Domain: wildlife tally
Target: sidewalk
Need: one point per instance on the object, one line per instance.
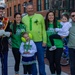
(11, 66)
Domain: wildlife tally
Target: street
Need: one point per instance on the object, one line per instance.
(11, 66)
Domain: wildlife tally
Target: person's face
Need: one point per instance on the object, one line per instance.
(30, 10)
(1, 12)
(18, 18)
(64, 19)
(50, 17)
(73, 16)
(26, 36)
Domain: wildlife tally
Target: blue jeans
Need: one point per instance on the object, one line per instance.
(3, 58)
(72, 60)
(40, 58)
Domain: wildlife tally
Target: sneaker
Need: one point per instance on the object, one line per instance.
(52, 48)
(53, 74)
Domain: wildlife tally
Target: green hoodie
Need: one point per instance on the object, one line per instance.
(36, 27)
(58, 43)
(16, 38)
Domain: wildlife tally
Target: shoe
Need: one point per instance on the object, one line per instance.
(16, 74)
(52, 48)
(53, 74)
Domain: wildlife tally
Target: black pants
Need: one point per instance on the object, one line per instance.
(27, 69)
(72, 60)
(52, 37)
(54, 58)
(16, 54)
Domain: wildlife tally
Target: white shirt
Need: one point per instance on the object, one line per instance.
(64, 31)
(32, 50)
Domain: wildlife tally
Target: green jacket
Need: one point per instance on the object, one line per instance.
(58, 43)
(36, 27)
(16, 38)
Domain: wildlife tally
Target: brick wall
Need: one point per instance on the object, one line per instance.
(11, 4)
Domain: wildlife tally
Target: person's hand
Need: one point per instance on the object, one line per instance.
(56, 29)
(7, 34)
(26, 53)
(2, 32)
(44, 44)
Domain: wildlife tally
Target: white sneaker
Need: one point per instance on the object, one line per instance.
(52, 48)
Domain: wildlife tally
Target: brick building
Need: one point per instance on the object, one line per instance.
(40, 6)
(18, 6)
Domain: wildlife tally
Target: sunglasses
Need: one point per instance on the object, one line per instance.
(72, 15)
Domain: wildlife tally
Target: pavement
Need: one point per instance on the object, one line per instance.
(11, 66)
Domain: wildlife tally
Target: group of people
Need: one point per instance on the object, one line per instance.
(45, 33)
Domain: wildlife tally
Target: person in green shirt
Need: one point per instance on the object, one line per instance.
(55, 55)
(17, 28)
(36, 26)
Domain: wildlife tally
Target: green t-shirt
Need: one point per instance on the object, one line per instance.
(58, 43)
(16, 38)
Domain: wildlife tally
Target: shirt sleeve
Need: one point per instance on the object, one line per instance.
(44, 31)
(65, 27)
(33, 49)
(21, 48)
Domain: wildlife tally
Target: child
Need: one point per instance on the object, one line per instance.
(28, 50)
(61, 32)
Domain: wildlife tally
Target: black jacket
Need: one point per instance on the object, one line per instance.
(4, 41)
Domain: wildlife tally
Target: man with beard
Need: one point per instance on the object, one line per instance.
(71, 43)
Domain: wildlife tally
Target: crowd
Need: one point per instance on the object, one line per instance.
(30, 35)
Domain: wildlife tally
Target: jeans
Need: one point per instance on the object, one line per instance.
(54, 58)
(72, 60)
(34, 69)
(4, 59)
(40, 58)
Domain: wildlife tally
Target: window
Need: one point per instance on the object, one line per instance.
(46, 4)
(24, 5)
(15, 9)
(10, 11)
(38, 5)
(24, 10)
(72, 4)
(7, 12)
(30, 1)
(19, 8)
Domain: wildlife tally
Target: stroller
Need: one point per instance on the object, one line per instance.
(65, 55)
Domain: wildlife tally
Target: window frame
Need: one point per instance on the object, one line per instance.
(19, 7)
(39, 7)
(46, 4)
